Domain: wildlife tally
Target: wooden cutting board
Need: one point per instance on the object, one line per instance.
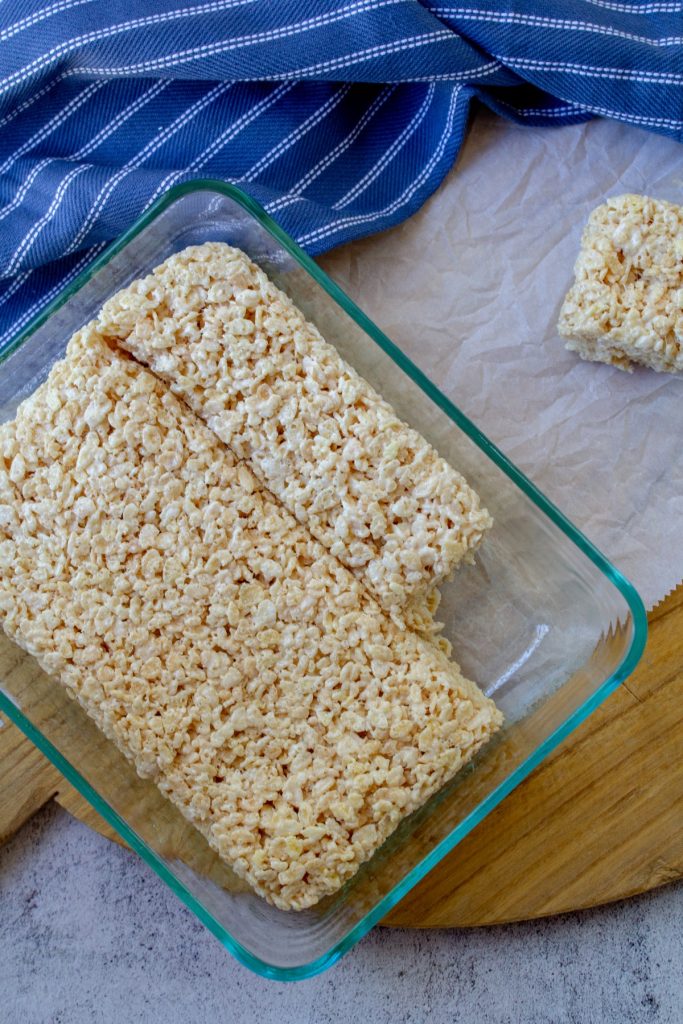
(601, 819)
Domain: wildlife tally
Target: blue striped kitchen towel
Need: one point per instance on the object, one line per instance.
(339, 116)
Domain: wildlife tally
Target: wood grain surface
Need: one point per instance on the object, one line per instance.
(600, 820)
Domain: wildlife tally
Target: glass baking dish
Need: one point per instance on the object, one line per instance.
(541, 620)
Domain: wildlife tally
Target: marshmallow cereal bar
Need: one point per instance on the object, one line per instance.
(223, 649)
(238, 351)
(626, 304)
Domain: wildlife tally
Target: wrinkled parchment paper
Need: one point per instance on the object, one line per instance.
(471, 289)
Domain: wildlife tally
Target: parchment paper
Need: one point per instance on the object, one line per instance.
(471, 289)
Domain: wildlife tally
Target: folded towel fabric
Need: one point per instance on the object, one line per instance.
(340, 116)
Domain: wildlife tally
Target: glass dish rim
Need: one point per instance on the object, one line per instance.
(625, 587)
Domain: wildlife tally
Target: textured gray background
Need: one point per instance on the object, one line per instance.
(89, 934)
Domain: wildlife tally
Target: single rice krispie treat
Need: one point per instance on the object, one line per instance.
(228, 654)
(238, 351)
(626, 304)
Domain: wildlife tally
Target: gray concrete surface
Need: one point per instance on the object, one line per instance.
(89, 934)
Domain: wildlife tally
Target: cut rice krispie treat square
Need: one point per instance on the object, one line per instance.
(228, 654)
(238, 351)
(626, 304)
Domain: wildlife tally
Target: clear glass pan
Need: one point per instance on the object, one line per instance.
(541, 620)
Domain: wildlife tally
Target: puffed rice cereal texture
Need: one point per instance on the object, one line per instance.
(238, 351)
(231, 657)
(626, 304)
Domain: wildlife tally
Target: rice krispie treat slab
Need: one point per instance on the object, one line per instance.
(372, 490)
(626, 304)
(231, 657)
